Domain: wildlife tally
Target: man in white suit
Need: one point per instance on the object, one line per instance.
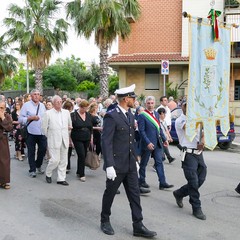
(56, 125)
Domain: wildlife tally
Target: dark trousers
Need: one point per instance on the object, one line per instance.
(157, 154)
(166, 152)
(130, 183)
(81, 149)
(69, 158)
(31, 141)
(195, 171)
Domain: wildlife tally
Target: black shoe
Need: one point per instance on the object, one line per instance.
(162, 187)
(107, 228)
(171, 159)
(199, 214)
(237, 189)
(144, 185)
(48, 179)
(144, 190)
(139, 230)
(178, 199)
(118, 192)
(63, 183)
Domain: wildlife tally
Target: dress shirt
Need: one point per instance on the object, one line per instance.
(30, 109)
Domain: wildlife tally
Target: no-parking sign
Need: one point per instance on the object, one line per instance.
(165, 67)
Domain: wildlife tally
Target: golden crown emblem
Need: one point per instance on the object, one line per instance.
(210, 53)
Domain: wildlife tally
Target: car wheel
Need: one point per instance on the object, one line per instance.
(224, 145)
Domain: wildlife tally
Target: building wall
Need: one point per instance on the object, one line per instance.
(158, 29)
(137, 75)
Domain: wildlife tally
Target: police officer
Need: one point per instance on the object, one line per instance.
(120, 162)
(193, 165)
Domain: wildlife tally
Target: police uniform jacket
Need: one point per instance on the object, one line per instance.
(118, 141)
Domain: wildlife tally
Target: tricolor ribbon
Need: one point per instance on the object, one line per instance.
(213, 15)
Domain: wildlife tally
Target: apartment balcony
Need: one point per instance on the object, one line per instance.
(232, 7)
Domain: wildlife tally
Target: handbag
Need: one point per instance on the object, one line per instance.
(92, 160)
(24, 132)
(23, 129)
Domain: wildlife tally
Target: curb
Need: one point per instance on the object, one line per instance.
(235, 143)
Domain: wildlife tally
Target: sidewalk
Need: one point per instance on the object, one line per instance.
(237, 138)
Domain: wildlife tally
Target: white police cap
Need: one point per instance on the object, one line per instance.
(126, 92)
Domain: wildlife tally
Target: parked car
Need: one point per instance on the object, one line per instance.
(224, 142)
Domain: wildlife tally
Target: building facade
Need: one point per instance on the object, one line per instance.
(161, 33)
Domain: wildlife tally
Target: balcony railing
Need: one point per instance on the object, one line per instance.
(232, 4)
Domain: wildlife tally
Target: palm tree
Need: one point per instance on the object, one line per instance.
(106, 19)
(8, 63)
(38, 31)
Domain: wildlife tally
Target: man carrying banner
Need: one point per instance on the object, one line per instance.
(193, 165)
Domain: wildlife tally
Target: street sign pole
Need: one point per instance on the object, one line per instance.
(164, 85)
(164, 71)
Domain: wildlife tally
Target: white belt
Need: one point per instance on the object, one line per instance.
(193, 151)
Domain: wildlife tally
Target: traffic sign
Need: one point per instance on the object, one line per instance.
(165, 67)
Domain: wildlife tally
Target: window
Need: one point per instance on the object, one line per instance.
(237, 90)
(152, 76)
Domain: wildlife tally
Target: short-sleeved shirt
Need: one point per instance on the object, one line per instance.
(183, 140)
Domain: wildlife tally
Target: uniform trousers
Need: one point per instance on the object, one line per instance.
(130, 183)
(195, 171)
(31, 141)
(58, 159)
(157, 154)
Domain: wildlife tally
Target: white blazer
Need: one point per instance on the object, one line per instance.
(55, 126)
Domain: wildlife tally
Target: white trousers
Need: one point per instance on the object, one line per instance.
(58, 159)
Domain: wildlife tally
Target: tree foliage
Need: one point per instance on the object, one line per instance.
(106, 19)
(59, 78)
(38, 32)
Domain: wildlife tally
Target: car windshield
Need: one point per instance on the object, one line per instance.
(176, 113)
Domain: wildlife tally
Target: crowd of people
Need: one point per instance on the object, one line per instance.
(124, 132)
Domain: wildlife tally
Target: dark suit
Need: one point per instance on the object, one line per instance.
(150, 134)
(118, 151)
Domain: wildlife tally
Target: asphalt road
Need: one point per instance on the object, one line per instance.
(33, 209)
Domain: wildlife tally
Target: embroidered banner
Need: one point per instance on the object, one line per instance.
(208, 82)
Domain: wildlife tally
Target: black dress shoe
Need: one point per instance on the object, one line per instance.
(237, 189)
(48, 179)
(139, 230)
(144, 190)
(118, 192)
(144, 185)
(178, 199)
(199, 214)
(63, 183)
(107, 228)
(171, 159)
(163, 186)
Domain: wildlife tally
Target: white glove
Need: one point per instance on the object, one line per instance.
(111, 173)
(137, 165)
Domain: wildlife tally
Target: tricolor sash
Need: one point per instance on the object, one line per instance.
(152, 119)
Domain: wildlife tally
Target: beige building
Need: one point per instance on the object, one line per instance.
(161, 33)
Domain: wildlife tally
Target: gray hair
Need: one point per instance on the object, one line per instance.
(2, 101)
(171, 98)
(55, 98)
(35, 91)
(149, 98)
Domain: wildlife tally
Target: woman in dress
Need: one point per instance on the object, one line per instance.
(81, 135)
(97, 128)
(19, 141)
(5, 126)
(69, 106)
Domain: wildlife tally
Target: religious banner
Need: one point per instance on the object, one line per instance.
(208, 82)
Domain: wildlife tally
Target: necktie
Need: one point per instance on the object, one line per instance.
(128, 116)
